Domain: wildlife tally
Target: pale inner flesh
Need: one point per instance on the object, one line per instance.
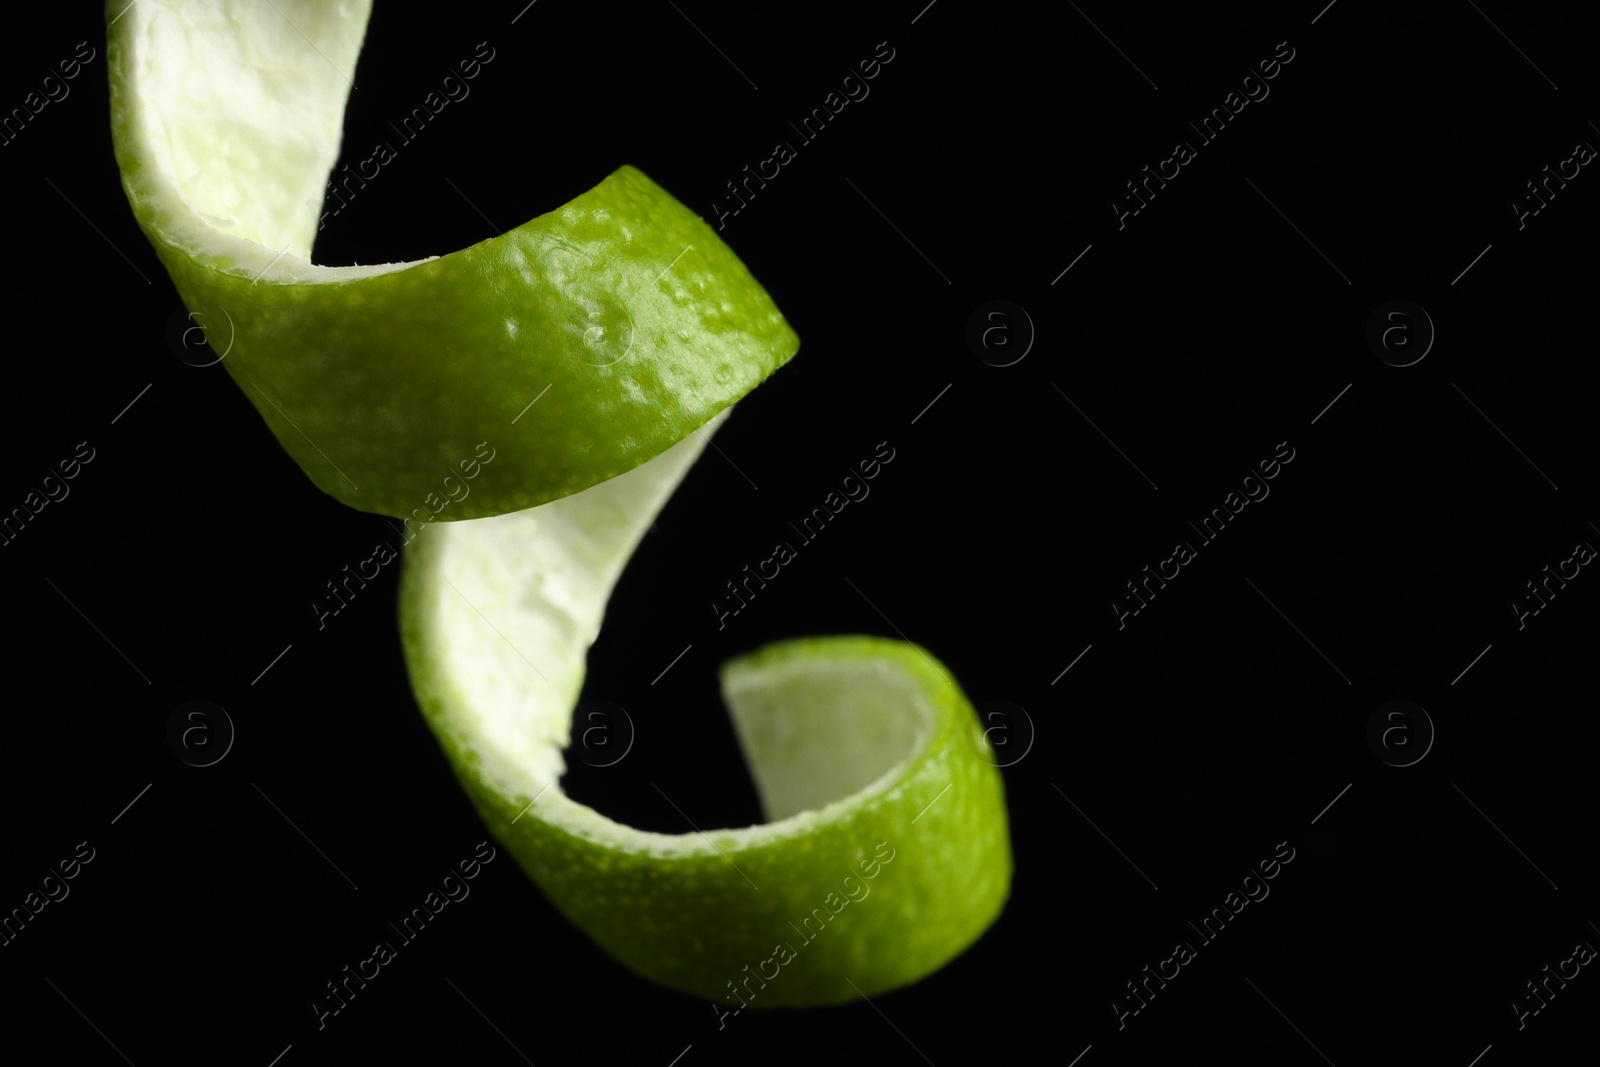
(238, 111)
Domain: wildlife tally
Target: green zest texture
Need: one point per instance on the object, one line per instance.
(634, 329)
(860, 748)
(622, 313)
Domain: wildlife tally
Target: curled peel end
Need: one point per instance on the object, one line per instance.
(887, 850)
(574, 347)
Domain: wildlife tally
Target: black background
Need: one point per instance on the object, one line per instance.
(1224, 718)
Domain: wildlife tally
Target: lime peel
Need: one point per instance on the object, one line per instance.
(642, 327)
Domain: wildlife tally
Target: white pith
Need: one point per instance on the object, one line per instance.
(512, 604)
(237, 109)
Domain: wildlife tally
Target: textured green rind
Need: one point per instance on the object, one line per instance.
(693, 923)
(379, 387)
